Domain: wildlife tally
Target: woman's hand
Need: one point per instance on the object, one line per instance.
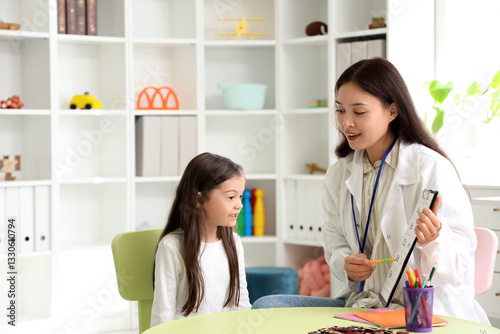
(428, 226)
(358, 267)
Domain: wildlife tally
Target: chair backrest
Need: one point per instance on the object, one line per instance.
(134, 256)
(486, 252)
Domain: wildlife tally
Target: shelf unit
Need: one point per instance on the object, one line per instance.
(87, 157)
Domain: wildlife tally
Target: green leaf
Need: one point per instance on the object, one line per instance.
(496, 80)
(437, 124)
(473, 89)
(438, 91)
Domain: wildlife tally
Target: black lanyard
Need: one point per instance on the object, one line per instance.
(362, 246)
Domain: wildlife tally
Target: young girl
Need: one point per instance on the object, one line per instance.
(382, 138)
(199, 265)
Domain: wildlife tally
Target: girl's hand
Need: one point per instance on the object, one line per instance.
(358, 267)
(428, 226)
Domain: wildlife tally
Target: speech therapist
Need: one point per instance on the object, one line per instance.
(386, 159)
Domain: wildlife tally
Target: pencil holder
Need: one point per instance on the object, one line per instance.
(418, 308)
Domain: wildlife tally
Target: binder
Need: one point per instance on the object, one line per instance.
(12, 209)
(376, 48)
(319, 212)
(342, 58)
(26, 220)
(169, 164)
(3, 220)
(187, 141)
(147, 145)
(300, 196)
(358, 51)
(42, 218)
(311, 214)
(291, 207)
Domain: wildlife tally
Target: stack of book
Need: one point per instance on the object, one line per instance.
(77, 17)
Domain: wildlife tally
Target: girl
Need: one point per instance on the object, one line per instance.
(199, 266)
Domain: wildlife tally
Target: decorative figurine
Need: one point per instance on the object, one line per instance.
(241, 28)
(9, 165)
(161, 98)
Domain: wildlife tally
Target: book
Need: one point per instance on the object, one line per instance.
(92, 17)
(71, 17)
(81, 17)
(386, 318)
(61, 16)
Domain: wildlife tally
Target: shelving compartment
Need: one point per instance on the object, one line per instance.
(94, 67)
(110, 18)
(175, 66)
(222, 9)
(32, 15)
(91, 214)
(33, 297)
(305, 75)
(29, 137)
(153, 201)
(356, 15)
(238, 65)
(91, 147)
(27, 73)
(160, 19)
(247, 140)
(295, 16)
(301, 146)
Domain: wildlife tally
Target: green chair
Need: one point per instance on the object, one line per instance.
(134, 256)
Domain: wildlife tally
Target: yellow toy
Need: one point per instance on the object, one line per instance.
(259, 217)
(85, 101)
(241, 28)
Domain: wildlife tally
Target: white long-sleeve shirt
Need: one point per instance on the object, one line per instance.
(171, 285)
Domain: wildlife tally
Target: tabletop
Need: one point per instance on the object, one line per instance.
(297, 320)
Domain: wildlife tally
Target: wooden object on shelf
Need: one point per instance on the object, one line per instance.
(242, 29)
(9, 26)
(377, 22)
(161, 98)
(259, 217)
(247, 214)
(9, 165)
(313, 167)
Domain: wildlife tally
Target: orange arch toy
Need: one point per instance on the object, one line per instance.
(157, 99)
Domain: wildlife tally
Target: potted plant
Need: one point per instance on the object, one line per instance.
(477, 102)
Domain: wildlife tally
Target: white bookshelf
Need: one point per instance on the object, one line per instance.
(87, 157)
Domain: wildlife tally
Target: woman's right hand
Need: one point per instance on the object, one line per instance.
(358, 267)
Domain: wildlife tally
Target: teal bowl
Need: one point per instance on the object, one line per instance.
(244, 96)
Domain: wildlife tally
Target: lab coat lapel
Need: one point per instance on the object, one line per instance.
(355, 182)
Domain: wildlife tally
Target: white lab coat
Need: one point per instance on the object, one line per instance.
(418, 168)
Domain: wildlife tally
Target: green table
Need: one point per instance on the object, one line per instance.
(300, 320)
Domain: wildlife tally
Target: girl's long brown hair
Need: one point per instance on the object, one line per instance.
(204, 173)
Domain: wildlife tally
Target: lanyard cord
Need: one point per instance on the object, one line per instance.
(362, 247)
